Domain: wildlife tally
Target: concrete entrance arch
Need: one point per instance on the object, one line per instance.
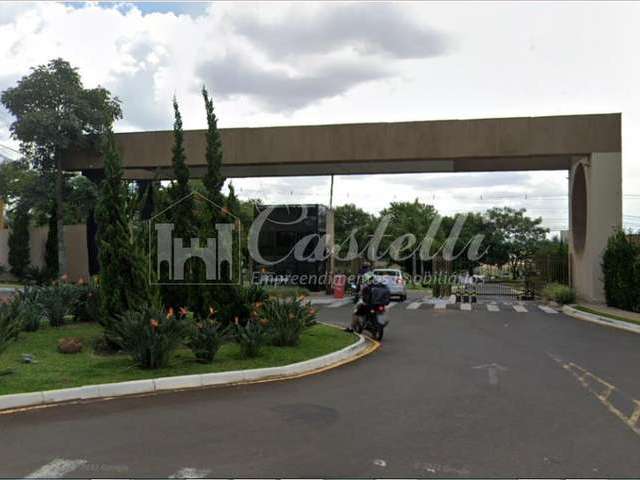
(587, 146)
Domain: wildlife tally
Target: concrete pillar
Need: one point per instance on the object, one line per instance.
(595, 212)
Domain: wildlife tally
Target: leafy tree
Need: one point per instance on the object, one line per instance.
(81, 195)
(519, 234)
(408, 218)
(19, 249)
(19, 181)
(53, 113)
(349, 218)
(475, 224)
(123, 280)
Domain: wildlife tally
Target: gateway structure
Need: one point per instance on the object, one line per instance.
(586, 146)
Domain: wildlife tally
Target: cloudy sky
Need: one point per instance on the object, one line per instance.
(303, 63)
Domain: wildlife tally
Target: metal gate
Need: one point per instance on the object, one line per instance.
(509, 289)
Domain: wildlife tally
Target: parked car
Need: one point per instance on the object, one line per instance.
(394, 280)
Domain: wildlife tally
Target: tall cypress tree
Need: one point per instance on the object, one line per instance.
(213, 179)
(181, 213)
(19, 250)
(123, 280)
(232, 203)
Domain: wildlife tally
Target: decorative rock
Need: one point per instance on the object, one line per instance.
(28, 358)
(70, 345)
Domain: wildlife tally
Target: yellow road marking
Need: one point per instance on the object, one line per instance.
(582, 375)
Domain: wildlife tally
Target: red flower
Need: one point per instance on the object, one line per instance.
(183, 312)
(154, 323)
(169, 313)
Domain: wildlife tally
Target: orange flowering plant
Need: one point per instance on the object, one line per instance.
(207, 336)
(251, 337)
(286, 319)
(150, 335)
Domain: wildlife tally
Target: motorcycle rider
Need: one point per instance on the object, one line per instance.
(360, 310)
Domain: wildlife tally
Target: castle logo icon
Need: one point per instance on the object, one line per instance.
(173, 255)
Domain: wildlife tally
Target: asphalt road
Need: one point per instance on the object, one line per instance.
(429, 403)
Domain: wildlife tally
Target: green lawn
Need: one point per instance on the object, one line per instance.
(607, 315)
(55, 370)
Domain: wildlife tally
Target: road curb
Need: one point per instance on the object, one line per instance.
(600, 320)
(26, 401)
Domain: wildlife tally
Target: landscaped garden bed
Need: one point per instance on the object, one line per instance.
(54, 370)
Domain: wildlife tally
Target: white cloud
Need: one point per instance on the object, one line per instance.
(289, 63)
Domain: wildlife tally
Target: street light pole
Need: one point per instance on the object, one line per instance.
(332, 246)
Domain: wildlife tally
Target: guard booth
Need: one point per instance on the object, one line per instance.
(285, 226)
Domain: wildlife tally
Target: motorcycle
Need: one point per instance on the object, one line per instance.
(374, 321)
(355, 292)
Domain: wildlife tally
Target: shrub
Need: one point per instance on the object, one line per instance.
(29, 314)
(559, 293)
(151, 335)
(57, 301)
(36, 275)
(621, 270)
(86, 306)
(286, 319)
(251, 337)
(287, 292)
(440, 289)
(236, 303)
(102, 346)
(206, 338)
(19, 249)
(9, 326)
(254, 294)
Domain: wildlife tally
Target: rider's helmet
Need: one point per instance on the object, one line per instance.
(368, 278)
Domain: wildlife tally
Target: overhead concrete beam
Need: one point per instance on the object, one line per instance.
(527, 143)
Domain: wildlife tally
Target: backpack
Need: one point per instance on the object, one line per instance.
(376, 294)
